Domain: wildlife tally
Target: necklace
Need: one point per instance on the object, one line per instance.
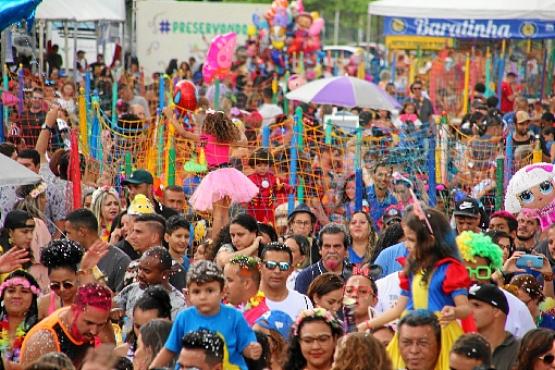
(11, 350)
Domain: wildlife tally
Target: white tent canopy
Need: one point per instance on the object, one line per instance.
(465, 9)
(16, 174)
(79, 11)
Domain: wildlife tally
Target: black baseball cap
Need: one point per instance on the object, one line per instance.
(139, 177)
(467, 207)
(491, 295)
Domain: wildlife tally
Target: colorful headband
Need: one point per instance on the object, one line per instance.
(321, 313)
(212, 111)
(41, 188)
(19, 281)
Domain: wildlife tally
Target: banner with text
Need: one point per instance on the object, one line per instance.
(470, 28)
(172, 29)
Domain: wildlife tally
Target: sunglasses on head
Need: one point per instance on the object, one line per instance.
(57, 286)
(271, 265)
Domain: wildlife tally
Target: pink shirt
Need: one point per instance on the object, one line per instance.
(216, 153)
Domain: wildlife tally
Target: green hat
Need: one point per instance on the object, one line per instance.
(139, 177)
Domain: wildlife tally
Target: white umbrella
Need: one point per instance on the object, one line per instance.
(13, 173)
(344, 91)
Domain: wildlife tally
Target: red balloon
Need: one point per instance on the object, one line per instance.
(185, 95)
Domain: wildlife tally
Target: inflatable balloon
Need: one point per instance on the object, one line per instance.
(220, 55)
(315, 15)
(316, 27)
(185, 95)
(278, 37)
(251, 30)
(295, 81)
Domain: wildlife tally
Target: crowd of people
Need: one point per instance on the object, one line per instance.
(217, 273)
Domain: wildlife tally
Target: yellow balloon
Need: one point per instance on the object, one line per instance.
(315, 15)
(278, 44)
(251, 30)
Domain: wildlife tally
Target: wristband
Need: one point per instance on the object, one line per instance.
(548, 276)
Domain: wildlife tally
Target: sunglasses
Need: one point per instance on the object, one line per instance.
(271, 265)
(480, 272)
(547, 359)
(57, 286)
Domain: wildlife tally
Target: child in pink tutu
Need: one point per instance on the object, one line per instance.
(223, 184)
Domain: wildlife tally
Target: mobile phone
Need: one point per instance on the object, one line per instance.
(529, 261)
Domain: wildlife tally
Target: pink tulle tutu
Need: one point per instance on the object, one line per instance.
(221, 183)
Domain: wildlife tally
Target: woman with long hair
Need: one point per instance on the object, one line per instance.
(153, 304)
(245, 239)
(61, 257)
(326, 291)
(300, 248)
(18, 232)
(313, 340)
(434, 279)
(151, 340)
(18, 313)
(363, 238)
(537, 350)
(33, 200)
(360, 351)
(106, 206)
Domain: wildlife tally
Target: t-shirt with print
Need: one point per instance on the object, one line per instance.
(58, 195)
(292, 305)
(129, 296)
(229, 322)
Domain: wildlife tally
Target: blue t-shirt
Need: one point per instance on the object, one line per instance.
(229, 322)
(378, 207)
(387, 258)
(354, 258)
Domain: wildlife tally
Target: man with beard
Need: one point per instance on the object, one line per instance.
(484, 260)
(526, 232)
(380, 193)
(332, 242)
(522, 134)
(71, 330)
(154, 269)
(33, 118)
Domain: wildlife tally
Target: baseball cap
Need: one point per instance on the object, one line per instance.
(139, 177)
(522, 116)
(391, 214)
(491, 295)
(277, 321)
(468, 207)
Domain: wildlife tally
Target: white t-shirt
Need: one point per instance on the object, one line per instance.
(269, 112)
(292, 305)
(519, 320)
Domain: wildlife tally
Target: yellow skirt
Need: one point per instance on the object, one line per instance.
(449, 335)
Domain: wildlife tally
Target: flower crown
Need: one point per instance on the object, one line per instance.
(19, 281)
(245, 262)
(103, 189)
(41, 188)
(321, 313)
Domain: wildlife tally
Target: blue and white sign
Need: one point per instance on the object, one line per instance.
(470, 28)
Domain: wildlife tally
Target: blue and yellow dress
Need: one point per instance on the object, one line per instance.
(448, 280)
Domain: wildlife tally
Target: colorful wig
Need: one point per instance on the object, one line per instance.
(472, 245)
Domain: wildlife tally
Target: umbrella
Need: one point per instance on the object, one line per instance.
(344, 91)
(14, 173)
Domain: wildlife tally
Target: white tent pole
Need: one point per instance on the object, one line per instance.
(41, 47)
(132, 33)
(66, 47)
(97, 24)
(122, 45)
(369, 30)
(74, 52)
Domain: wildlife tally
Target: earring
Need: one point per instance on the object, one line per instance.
(10, 241)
